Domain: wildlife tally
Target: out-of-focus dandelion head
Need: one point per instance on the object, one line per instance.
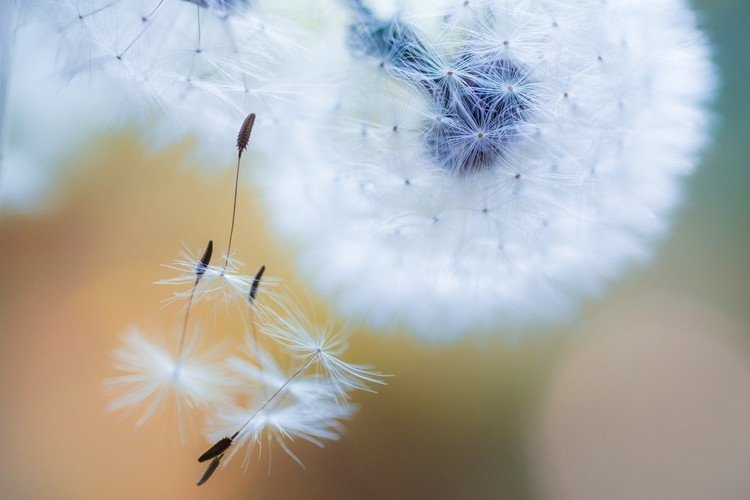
(172, 70)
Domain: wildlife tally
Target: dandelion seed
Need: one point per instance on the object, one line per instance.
(225, 284)
(321, 344)
(152, 377)
(300, 404)
(281, 424)
(224, 279)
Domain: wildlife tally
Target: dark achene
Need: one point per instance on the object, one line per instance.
(479, 102)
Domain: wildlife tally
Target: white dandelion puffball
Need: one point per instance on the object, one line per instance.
(487, 165)
(46, 126)
(178, 68)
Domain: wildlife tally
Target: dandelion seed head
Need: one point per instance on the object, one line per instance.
(178, 69)
(487, 166)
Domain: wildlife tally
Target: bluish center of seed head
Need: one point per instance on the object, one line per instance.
(479, 102)
(224, 5)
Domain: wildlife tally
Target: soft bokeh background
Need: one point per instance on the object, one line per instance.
(647, 396)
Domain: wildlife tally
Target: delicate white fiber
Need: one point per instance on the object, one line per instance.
(264, 376)
(285, 321)
(223, 282)
(152, 377)
(281, 423)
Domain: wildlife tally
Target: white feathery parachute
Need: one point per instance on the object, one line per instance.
(487, 165)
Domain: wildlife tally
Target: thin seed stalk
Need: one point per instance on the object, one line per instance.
(313, 356)
(185, 323)
(243, 139)
(234, 210)
(199, 272)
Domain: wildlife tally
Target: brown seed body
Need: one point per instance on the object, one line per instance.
(243, 137)
(205, 260)
(256, 284)
(209, 470)
(216, 450)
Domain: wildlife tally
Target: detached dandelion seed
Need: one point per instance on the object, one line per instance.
(321, 344)
(153, 377)
(306, 409)
(220, 284)
(243, 138)
(228, 280)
